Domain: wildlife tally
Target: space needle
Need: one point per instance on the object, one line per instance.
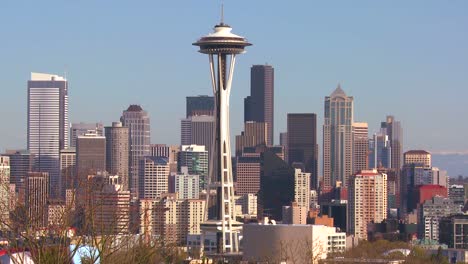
(222, 46)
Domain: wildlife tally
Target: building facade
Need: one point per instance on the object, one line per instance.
(302, 143)
(199, 105)
(90, 157)
(21, 162)
(187, 185)
(67, 170)
(248, 175)
(138, 121)
(302, 188)
(254, 134)
(154, 177)
(36, 196)
(338, 138)
(431, 212)
(79, 129)
(360, 147)
(367, 201)
(48, 123)
(117, 152)
(195, 158)
(259, 106)
(5, 192)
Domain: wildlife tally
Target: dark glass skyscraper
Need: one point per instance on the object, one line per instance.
(259, 106)
(302, 143)
(199, 105)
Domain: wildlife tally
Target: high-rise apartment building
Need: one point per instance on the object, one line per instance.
(198, 130)
(36, 196)
(195, 158)
(360, 147)
(367, 201)
(199, 105)
(79, 129)
(338, 138)
(259, 106)
(67, 170)
(90, 157)
(4, 191)
(108, 205)
(21, 162)
(170, 152)
(254, 134)
(48, 123)
(187, 185)
(171, 219)
(117, 152)
(248, 175)
(138, 121)
(431, 212)
(302, 143)
(154, 177)
(302, 188)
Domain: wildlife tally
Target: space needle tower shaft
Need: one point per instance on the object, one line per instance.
(222, 46)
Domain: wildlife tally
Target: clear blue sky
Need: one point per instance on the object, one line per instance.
(406, 58)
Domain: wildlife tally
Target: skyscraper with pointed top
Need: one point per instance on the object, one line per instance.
(337, 138)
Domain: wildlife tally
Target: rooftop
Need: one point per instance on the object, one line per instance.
(418, 152)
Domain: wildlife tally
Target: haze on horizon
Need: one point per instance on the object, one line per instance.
(408, 59)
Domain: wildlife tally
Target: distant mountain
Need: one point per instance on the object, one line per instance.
(454, 164)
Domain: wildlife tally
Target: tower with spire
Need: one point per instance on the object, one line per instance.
(222, 47)
(337, 139)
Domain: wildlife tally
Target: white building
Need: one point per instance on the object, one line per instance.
(187, 185)
(48, 128)
(290, 243)
(247, 204)
(153, 177)
(302, 188)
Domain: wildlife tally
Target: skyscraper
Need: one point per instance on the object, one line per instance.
(254, 134)
(198, 130)
(21, 162)
(187, 185)
(259, 106)
(248, 175)
(170, 152)
(395, 133)
(138, 121)
(302, 188)
(67, 170)
(367, 200)
(90, 157)
(48, 123)
(360, 147)
(117, 152)
(199, 105)
(337, 138)
(79, 129)
(380, 151)
(302, 143)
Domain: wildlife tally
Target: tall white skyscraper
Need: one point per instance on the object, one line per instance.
(337, 138)
(302, 188)
(48, 128)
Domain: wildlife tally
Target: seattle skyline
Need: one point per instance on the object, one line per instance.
(405, 59)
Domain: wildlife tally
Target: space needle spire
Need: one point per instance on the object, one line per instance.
(222, 47)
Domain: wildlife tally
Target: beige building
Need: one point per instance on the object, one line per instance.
(295, 214)
(302, 188)
(117, 152)
(170, 218)
(367, 201)
(36, 196)
(57, 214)
(248, 175)
(417, 157)
(302, 244)
(254, 134)
(67, 169)
(360, 147)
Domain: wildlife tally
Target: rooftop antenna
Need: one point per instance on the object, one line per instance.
(222, 14)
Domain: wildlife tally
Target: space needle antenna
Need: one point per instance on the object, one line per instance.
(222, 14)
